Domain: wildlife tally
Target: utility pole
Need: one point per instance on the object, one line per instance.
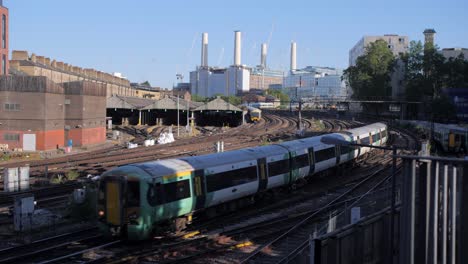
(180, 78)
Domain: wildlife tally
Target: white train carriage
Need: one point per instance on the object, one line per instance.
(375, 134)
(301, 156)
(227, 176)
(323, 155)
(276, 165)
(343, 153)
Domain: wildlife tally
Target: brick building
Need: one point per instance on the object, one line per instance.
(4, 63)
(60, 72)
(39, 114)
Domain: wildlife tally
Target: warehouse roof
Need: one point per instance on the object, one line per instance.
(218, 104)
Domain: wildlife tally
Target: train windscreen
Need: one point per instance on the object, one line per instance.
(133, 194)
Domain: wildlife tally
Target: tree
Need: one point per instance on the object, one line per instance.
(427, 73)
(198, 98)
(284, 98)
(146, 83)
(371, 75)
(232, 99)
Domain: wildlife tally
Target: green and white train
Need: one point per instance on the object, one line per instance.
(138, 200)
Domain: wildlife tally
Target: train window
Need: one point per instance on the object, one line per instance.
(345, 150)
(374, 138)
(365, 141)
(384, 133)
(133, 193)
(175, 191)
(300, 161)
(231, 178)
(324, 154)
(101, 192)
(278, 167)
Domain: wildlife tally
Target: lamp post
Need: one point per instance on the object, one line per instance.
(329, 140)
(180, 78)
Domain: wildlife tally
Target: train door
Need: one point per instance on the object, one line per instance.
(262, 173)
(113, 202)
(311, 161)
(337, 154)
(199, 190)
(358, 140)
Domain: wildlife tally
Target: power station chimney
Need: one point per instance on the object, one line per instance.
(263, 55)
(293, 56)
(204, 50)
(237, 48)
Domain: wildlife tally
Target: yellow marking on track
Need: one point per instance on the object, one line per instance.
(241, 245)
(191, 234)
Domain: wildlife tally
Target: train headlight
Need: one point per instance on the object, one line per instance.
(101, 213)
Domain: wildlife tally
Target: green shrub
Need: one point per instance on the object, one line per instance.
(72, 175)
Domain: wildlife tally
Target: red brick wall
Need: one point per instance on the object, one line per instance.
(87, 136)
(12, 144)
(45, 140)
(4, 11)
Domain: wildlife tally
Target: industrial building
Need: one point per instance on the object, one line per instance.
(313, 81)
(39, 114)
(4, 63)
(262, 77)
(454, 53)
(60, 72)
(208, 81)
(396, 43)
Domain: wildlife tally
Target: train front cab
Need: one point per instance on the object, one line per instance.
(119, 211)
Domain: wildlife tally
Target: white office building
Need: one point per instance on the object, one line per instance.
(316, 82)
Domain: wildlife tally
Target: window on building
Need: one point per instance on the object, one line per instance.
(11, 137)
(4, 31)
(4, 65)
(12, 107)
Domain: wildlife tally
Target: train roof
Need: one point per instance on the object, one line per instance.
(161, 168)
(218, 159)
(366, 129)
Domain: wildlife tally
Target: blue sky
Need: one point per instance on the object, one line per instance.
(153, 40)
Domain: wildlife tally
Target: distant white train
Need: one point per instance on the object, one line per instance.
(262, 105)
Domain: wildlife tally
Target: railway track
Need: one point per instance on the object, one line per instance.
(227, 241)
(224, 244)
(218, 239)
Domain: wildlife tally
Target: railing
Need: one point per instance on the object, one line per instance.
(432, 219)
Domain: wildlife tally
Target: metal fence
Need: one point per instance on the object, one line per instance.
(434, 208)
(433, 199)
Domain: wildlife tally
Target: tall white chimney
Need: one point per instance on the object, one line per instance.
(237, 48)
(263, 55)
(204, 50)
(293, 56)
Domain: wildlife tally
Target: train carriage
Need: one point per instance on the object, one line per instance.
(138, 199)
